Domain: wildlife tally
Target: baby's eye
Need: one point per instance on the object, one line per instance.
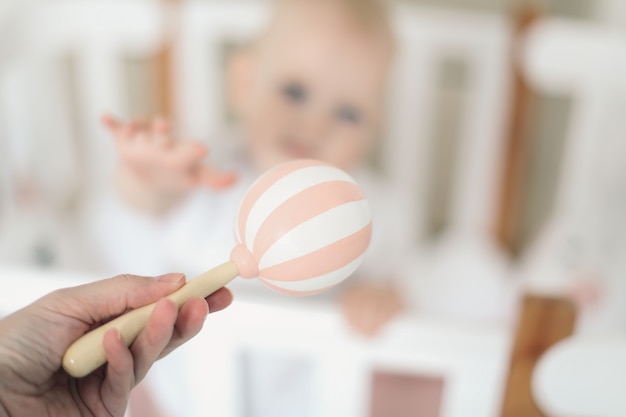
(295, 92)
(348, 114)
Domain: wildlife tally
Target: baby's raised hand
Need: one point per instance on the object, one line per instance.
(155, 168)
(369, 307)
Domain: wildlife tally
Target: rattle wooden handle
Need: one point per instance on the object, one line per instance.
(87, 353)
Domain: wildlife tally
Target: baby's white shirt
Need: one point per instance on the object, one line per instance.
(199, 234)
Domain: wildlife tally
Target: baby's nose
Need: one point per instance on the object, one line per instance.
(315, 127)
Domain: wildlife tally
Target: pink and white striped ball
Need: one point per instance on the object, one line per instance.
(302, 228)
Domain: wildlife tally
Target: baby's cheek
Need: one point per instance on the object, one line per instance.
(344, 151)
(264, 124)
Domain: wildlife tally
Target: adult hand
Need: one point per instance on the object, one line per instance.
(33, 341)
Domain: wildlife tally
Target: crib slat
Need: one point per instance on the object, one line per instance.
(206, 28)
(543, 322)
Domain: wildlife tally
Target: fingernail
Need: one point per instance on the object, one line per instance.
(119, 336)
(172, 277)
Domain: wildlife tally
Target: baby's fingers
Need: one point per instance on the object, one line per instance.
(184, 156)
(123, 133)
(110, 122)
(160, 132)
(210, 177)
(160, 125)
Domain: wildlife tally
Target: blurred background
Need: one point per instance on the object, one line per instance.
(505, 125)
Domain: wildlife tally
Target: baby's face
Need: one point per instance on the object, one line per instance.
(315, 92)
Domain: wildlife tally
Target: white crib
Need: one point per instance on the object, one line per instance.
(470, 355)
(61, 68)
(590, 69)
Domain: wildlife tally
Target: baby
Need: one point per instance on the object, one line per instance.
(312, 85)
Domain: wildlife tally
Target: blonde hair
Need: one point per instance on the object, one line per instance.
(371, 16)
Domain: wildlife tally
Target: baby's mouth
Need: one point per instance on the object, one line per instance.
(296, 149)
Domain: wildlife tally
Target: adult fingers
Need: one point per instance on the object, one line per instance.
(188, 324)
(192, 315)
(154, 338)
(219, 300)
(98, 301)
(120, 376)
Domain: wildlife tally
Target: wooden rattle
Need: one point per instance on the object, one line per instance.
(301, 228)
